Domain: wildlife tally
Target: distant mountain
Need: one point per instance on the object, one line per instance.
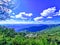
(30, 27)
(38, 27)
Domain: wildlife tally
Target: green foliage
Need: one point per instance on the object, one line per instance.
(46, 37)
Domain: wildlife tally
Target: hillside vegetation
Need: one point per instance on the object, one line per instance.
(49, 36)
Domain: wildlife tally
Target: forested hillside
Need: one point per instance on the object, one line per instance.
(49, 36)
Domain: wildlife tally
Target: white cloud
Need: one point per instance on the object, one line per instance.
(6, 0)
(12, 21)
(48, 12)
(10, 11)
(49, 17)
(12, 16)
(37, 18)
(57, 13)
(29, 14)
(22, 14)
(9, 0)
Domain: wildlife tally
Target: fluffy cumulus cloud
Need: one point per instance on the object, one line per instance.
(21, 15)
(57, 13)
(48, 12)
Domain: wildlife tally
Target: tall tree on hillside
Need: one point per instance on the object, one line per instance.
(6, 7)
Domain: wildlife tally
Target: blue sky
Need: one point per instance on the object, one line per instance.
(39, 11)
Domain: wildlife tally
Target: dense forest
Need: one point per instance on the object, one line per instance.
(49, 36)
